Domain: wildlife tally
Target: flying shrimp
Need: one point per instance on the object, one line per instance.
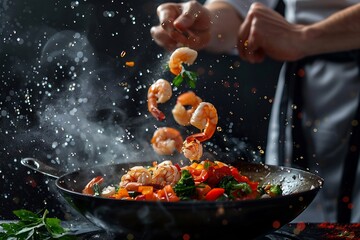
(166, 141)
(159, 92)
(185, 106)
(205, 118)
(179, 56)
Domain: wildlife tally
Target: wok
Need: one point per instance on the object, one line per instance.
(247, 219)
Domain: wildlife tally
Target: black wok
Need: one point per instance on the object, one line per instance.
(246, 219)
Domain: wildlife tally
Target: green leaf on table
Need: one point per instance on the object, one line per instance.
(26, 215)
(34, 226)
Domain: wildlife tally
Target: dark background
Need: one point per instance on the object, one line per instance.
(67, 97)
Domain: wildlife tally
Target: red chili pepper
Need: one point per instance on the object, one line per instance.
(214, 194)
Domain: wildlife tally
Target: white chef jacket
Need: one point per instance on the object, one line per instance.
(330, 93)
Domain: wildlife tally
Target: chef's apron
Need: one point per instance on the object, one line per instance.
(313, 126)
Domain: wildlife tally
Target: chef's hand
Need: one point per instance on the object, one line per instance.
(182, 24)
(265, 32)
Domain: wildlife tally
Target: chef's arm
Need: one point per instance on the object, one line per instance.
(339, 32)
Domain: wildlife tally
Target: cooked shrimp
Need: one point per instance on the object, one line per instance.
(89, 188)
(166, 173)
(204, 118)
(159, 92)
(166, 140)
(192, 150)
(179, 56)
(135, 177)
(108, 191)
(181, 114)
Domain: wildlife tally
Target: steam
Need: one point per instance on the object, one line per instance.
(83, 114)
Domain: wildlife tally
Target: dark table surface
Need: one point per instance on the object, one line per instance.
(291, 231)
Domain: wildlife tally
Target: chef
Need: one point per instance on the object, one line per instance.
(315, 114)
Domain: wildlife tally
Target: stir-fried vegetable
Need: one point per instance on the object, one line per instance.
(185, 187)
(207, 180)
(233, 188)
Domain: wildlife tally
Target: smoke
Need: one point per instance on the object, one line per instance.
(85, 117)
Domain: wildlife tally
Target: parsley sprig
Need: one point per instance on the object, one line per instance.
(34, 226)
(189, 77)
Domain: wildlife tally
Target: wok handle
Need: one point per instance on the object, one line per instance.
(41, 167)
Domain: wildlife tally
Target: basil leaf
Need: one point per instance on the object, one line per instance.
(54, 226)
(26, 215)
(33, 226)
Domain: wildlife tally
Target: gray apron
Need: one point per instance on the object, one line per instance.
(313, 126)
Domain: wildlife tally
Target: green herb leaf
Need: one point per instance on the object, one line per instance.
(26, 215)
(178, 80)
(189, 77)
(54, 226)
(34, 226)
(97, 190)
(185, 187)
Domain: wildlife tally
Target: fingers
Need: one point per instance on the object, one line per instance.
(167, 13)
(162, 38)
(194, 22)
(165, 34)
(185, 24)
(248, 45)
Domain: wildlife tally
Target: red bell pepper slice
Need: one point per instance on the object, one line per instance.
(202, 177)
(214, 194)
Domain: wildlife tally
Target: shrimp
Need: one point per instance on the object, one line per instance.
(179, 56)
(204, 118)
(159, 92)
(89, 188)
(166, 173)
(135, 177)
(166, 140)
(181, 114)
(192, 150)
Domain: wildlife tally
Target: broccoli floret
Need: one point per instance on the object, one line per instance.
(233, 188)
(185, 188)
